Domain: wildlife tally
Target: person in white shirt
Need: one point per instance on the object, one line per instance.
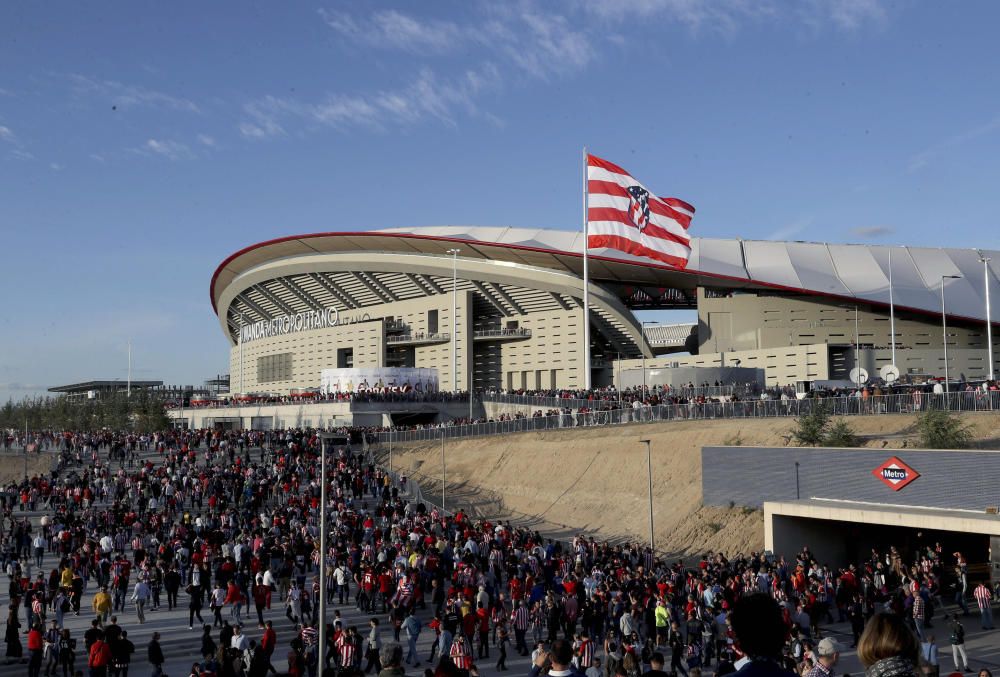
(39, 544)
(140, 595)
(239, 641)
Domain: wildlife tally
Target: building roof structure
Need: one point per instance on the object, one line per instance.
(845, 272)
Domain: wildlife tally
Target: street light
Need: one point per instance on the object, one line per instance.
(944, 330)
(322, 551)
(443, 475)
(985, 260)
(649, 473)
(454, 319)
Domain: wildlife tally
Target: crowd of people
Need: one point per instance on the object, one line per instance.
(225, 526)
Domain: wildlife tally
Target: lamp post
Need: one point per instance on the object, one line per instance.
(322, 553)
(454, 319)
(985, 260)
(649, 473)
(944, 330)
(443, 474)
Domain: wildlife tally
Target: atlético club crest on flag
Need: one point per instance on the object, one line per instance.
(895, 474)
(638, 206)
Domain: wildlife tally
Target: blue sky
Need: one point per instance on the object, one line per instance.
(143, 142)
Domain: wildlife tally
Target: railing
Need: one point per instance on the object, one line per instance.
(419, 338)
(605, 399)
(502, 333)
(732, 409)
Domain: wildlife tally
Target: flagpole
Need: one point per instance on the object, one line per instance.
(586, 281)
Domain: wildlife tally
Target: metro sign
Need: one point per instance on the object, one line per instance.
(895, 474)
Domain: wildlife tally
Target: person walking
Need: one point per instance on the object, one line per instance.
(35, 648)
(503, 641)
(958, 644)
(154, 654)
(984, 598)
(412, 627)
(140, 595)
(102, 605)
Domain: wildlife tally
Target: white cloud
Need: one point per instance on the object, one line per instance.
(19, 154)
(872, 232)
(926, 156)
(792, 229)
(728, 16)
(127, 96)
(56, 167)
(427, 97)
(97, 157)
(854, 14)
(389, 28)
(172, 150)
(206, 140)
(6, 134)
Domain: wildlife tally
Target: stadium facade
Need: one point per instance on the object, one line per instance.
(505, 309)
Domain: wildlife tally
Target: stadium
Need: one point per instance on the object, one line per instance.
(501, 308)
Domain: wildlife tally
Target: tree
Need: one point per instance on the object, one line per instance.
(810, 428)
(940, 429)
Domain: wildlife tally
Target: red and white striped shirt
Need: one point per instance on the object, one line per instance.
(461, 656)
(983, 596)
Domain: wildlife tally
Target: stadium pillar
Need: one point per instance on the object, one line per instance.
(944, 333)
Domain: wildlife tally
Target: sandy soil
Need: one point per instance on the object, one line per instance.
(595, 480)
(12, 466)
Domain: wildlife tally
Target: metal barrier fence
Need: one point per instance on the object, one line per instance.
(904, 403)
(553, 402)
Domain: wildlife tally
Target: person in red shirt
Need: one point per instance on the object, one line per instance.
(269, 640)
(99, 657)
(35, 650)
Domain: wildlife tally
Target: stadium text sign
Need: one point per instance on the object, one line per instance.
(287, 324)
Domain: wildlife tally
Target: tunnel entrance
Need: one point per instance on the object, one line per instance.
(839, 535)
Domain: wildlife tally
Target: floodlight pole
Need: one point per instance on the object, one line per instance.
(649, 474)
(989, 323)
(322, 554)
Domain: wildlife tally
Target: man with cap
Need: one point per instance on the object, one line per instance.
(827, 653)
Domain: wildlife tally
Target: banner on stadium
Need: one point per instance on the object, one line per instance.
(379, 379)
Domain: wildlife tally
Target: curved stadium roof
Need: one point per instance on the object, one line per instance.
(839, 271)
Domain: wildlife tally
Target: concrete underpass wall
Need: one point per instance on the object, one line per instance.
(748, 476)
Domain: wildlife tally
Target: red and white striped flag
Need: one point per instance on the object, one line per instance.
(623, 214)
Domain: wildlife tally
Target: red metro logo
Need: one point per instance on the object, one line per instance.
(895, 474)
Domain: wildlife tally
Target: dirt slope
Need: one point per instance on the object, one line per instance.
(594, 480)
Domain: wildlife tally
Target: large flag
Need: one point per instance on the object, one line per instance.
(623, 214)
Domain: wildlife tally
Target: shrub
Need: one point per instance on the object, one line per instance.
(840, 434)
(810, 429)
(940, 429)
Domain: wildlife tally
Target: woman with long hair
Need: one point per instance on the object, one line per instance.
(888, 648)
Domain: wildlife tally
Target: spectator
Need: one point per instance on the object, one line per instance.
(887, 647)
(760, 634)
(154, 654)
